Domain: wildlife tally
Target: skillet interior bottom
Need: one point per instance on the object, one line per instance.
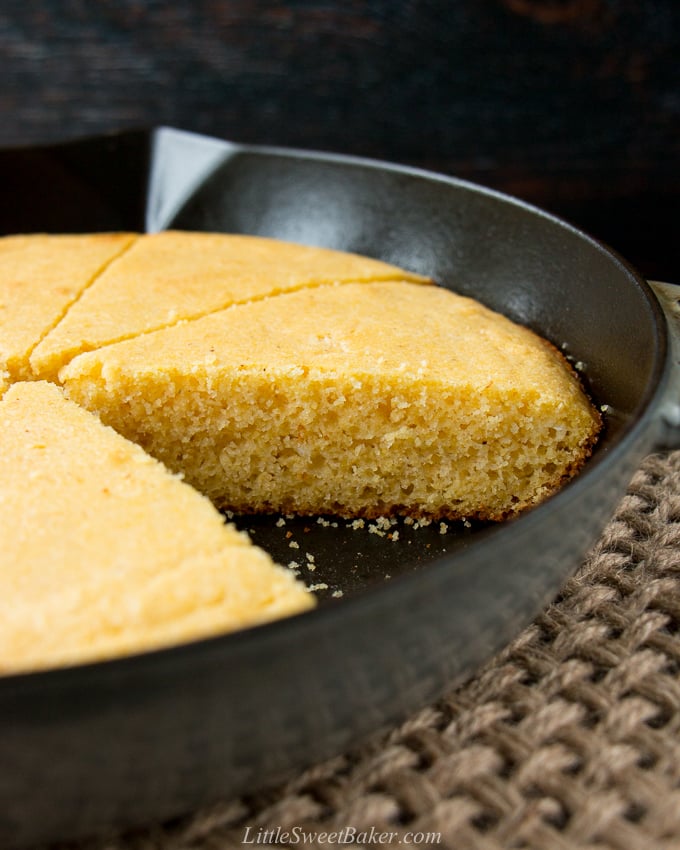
(341, 557)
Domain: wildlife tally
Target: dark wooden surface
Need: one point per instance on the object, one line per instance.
(570, 104)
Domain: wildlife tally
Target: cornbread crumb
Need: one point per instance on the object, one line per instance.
(383, 522)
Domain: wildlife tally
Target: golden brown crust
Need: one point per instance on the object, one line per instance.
(174, 276)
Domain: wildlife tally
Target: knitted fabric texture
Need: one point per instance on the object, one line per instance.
(570, 738)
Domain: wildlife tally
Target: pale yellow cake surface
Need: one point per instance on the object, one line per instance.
(40, 276)
(356, 399)
(105, 553)
(170, 276)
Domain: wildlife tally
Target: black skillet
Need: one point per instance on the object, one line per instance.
(149, 737)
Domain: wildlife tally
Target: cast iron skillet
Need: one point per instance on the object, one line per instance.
(153, 736)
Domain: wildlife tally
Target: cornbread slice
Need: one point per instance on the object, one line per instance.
(105, 553)
(175, 275)
(368, 399)
(40, 275)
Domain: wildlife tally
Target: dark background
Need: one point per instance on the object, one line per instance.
(570, 104)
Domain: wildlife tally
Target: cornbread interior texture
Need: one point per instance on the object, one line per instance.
(370, 399)
(172, 276)
(104, 552)
(40, 277)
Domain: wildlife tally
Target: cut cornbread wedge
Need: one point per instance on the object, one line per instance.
(170, 276)
(40, 276)
(366, 399)
(106, 553)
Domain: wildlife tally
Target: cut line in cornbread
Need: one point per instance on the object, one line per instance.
(105, 553)
(358, 400)
(40, 276)
(173, 276)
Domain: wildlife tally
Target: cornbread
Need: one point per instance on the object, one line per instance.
(40, 276)
(171, 276)
(105, 553)
(361, 399)
(270, 377)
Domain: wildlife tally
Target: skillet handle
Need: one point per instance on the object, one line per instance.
(668, 295)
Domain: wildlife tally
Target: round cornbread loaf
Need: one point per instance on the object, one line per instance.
(269, 376)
